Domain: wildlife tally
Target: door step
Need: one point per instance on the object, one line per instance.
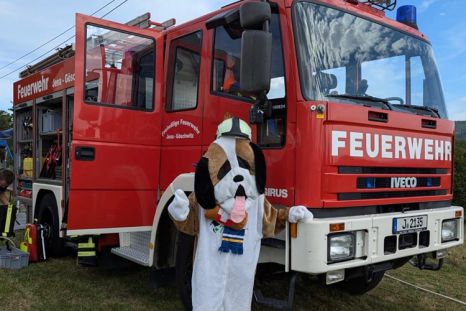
(134, 246)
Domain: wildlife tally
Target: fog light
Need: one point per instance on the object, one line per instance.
(334, 276)
(341, 247)
(449, 230)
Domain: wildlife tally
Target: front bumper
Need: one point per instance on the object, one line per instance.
(309, 250)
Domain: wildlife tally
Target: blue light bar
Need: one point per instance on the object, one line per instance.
(406, 14)
(429, 182)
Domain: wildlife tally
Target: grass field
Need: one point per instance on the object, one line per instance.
(59, 284)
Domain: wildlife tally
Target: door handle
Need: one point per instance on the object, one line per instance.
(378, 116)
(85, 153)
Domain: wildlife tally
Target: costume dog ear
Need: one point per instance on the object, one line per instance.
(203, 187)
(259, 163)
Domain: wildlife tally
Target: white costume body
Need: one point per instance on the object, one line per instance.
(224, 281)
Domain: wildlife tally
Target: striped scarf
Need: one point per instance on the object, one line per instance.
(232, 240)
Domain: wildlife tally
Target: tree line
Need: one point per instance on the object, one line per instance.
(459, 191)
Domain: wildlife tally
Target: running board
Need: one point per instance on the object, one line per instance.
(134, 246)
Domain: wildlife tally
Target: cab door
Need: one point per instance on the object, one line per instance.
(115, 149)
(225, 99)
(182, 113)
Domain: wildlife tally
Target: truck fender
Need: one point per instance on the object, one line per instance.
(184, 182)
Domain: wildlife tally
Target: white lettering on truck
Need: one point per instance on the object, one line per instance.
(403, 182)
(33, 88)
(276, 193)
(360, 145)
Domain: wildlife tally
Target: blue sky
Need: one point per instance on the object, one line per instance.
(27, 24)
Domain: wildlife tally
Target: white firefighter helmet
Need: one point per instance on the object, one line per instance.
(234, 127)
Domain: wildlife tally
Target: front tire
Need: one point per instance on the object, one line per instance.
(47, 215)
(362, 284)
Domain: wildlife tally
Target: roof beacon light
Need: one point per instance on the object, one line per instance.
(406, 14)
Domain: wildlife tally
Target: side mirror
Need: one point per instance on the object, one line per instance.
(256, 61)
(256, 56)
(253, 15)
(256, 47)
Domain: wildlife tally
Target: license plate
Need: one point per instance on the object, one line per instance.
(409, 224)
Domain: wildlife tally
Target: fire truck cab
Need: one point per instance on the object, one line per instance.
(353, 125)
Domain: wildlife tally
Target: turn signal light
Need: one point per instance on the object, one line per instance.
(337, 227)
(294, 230)
(458, 214)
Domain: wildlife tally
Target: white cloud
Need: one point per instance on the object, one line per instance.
(457, 109)
(427, 3)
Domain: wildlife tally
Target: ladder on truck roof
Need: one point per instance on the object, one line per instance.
(142, 21)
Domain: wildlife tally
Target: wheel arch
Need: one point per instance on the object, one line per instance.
(39, 191)
(184, 182)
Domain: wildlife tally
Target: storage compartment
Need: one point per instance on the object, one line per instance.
(14, 259)
(50, 148)
(49, 143)
(23, 124)
(24, 173)
(51, 120)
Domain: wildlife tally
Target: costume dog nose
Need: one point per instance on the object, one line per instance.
(238, 178)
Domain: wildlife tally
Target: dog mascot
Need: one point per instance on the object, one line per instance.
(229, 215)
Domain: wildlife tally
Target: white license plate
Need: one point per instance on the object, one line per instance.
(409, 224)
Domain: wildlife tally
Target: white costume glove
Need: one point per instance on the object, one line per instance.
(299, 213)
(179, 207)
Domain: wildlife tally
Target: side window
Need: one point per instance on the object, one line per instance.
(120, 69)
(184, 67)
(227, 59)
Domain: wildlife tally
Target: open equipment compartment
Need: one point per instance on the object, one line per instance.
(24, 166)
(50, 137)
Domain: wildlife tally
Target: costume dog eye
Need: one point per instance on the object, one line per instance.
(243, 163)
(226, 167)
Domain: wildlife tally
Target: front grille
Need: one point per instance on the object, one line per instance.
(390, 170)
(424, 238)
(385, 182)
(407, 240)
(389, 245)
(388, 194)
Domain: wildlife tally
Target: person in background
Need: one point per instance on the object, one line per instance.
(6, 179)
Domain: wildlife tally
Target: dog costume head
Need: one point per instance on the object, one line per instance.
(231, 173)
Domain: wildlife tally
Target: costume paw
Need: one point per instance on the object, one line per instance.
(299, 213)
(179, 207)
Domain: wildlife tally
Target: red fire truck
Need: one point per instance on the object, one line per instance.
(346, 103)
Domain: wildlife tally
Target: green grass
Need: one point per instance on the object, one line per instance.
(59, 284)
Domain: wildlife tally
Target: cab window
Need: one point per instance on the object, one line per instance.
(184, 67)
(120, 69)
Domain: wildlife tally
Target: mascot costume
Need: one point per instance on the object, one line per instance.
(229, 215)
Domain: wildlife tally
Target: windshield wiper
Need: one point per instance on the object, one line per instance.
(367, 98)
(424, 108)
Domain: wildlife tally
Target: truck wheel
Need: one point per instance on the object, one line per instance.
(362, 284)
(184, 268)
(47, 215)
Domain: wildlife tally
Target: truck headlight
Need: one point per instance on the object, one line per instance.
(341, 246)
(449, 230)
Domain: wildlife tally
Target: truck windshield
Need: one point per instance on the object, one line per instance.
(350, 59)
